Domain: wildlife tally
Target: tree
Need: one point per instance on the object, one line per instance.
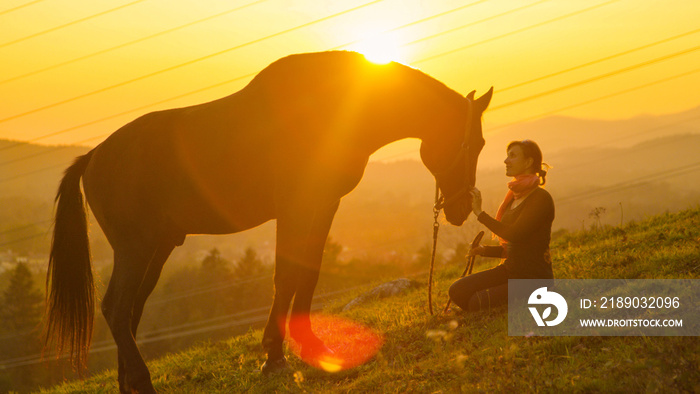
(20, 315)
(248, 265)
(215, 267)
(21, 302)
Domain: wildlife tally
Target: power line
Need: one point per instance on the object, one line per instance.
(41, 137)
(618, 54)
(191, 92)
(398, 155)
(559, 18)
(597, 77)
(139, 40)
(474, 23)
(149, 337)
(187, 63)
(65, 164)
(249, 75)
(271, 36)
(246, 76)
(221, 83)
(15, 229)
(412, 23)
(208, 289)
(599, 98)
(24, 239)
(631, 183)
(685, 74)
(7, 11)
(629, 152)
(70, 23)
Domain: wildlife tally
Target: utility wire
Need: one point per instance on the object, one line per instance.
(187, 63)
(600, 60)
(559, 18)
(149, 337)
(447, 31)
(70, 24)
(194, 91)
(597, 77)
(24, 239)
(15, 229)
(280, 33)
(225, 82)
(41, 137)
(631, 183)
(65, 164)
(442, 33)
(126, 44)
(599, 98)
(7, 11)
(413, 151)
(685, 74)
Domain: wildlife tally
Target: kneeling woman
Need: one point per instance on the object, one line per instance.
(523, 224)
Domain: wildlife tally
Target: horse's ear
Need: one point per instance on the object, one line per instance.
(483, 102)
(470, 96)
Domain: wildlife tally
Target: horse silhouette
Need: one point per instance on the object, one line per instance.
(288, 146)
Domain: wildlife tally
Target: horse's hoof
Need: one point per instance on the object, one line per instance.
(273, 366)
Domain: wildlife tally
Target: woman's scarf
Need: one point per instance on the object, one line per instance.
(521, 186)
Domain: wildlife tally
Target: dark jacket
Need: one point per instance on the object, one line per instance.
(527, 229)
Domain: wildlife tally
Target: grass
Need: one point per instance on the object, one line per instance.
(473, 353)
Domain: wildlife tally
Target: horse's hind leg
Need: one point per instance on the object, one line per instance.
(155, 266)
(149, 282)
(130, 266)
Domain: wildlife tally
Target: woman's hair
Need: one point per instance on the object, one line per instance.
(532, 150)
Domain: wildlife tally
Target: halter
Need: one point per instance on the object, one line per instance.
(441, 202)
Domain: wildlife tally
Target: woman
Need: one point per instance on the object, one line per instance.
(523, 224)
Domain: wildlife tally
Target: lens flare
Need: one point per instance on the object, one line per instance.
(351, 343)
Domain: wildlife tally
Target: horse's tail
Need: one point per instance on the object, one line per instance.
(70, 292)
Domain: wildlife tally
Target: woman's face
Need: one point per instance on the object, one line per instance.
(517, 163)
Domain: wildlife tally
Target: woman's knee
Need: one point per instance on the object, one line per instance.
(460, 293)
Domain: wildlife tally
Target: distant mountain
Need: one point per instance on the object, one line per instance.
(34, 170)
(631, 168)
(555, 134)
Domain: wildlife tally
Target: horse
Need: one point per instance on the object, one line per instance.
(286, 147)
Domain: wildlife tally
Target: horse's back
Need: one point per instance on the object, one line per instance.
(302, 123)
(169, 174)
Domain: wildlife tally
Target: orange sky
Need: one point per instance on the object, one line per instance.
(139, 57)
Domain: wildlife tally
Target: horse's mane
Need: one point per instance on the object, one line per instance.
(316, 63)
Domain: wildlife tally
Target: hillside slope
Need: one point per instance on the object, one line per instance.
(456, 352)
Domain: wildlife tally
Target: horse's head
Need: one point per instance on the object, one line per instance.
(453, 159)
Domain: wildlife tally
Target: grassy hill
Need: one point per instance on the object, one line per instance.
(459, 352)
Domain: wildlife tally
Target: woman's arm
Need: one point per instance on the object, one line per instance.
(494, 251)
(539, 210)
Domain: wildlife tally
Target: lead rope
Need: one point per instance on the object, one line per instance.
(436, 228)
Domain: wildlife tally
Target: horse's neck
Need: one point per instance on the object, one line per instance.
(425, 120)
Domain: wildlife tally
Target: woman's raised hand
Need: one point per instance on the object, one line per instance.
(476, 201)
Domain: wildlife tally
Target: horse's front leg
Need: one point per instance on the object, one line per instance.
(301, 236)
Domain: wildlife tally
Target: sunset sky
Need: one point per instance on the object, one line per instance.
(73, 71)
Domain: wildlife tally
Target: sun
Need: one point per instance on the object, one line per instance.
(380, 48)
